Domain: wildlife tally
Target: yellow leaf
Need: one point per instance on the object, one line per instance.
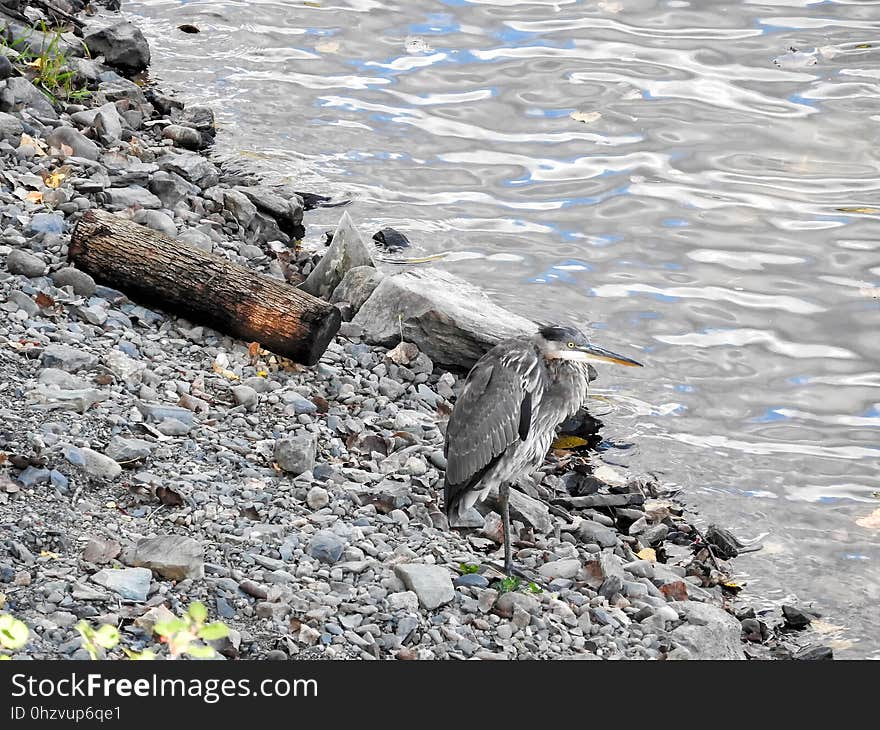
(586, 117)
(864, 210)
(647, 554)
(871, 521)
(37, 63)
(228, 374)
(569, 442)
(49, 554)
(35, 197)
(262, 374)
(54, 179)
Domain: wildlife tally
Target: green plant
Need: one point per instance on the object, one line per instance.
(48, 68)
(509, 584)
(468, 568)
(13, 634)
(535, 588)
(187, 635)
(104, 637)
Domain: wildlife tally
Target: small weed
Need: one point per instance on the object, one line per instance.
(13, 634)
(509, 584)
(187, 635)
(535, 588)
(468, 568)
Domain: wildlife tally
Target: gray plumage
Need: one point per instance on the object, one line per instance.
(506, 416)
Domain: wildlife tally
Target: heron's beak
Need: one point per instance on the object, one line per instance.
(594, 352)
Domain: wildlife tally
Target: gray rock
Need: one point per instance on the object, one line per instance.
(512, 600)
(60, 379)
(391, 388)
(191, 166)
(709, 633)
(172, 556)
(20, 93)
(566, 568)
(24, 264)
(450, 320)
(431, 583)
(529, 510)
(79, 281)
(130, 583)
(300, 403)
(346, 252)
(32, 476)
(296, 454)
(170, 188)
(357, 285)
(593, 532)
(245, 396)
(317, 498)
(67, 358)
(283, 206)
(326, 546)
(157, 412)
(82, 146)
(10, 127)
(122, 45)
(47, 223)
(24, 302)
(133, 195)
(157, 220)
(6, 67)
(240, 206)
(93, 463)
(471, 580)
(71, 400)
(173, 427)
(185, 137)
(128, 451)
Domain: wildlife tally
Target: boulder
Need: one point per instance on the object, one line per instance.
(346, 251)
(709, 633)
(451, 321)
(172, 556)
(122, 45)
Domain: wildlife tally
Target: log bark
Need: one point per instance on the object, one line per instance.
(203, 287)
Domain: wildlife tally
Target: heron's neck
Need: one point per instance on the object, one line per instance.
(572, 378)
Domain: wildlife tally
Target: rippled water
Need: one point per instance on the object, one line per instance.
(720, 220)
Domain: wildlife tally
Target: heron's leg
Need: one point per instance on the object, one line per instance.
(504, 503)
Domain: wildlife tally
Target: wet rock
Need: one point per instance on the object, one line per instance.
(79, 281)
(431, 583)
(814, 653)
(67, 358)
(346, 252)
(296, 454)
(709, 633)
(24, 264)
(450, 320)
(282, 205)
(130, 583)
(6, 68)
(326, 546)
(391, 240)
(69, 137)
(122, 45)
(357, 285)
(93, 463)
(171, 556)
(795, 618)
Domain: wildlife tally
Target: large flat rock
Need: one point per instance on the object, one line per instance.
(452, 321)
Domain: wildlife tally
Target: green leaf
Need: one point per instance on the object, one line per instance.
(107, 636)
(170, 628)
(216, 630)
(13, 633)
(468, 568)
(201, 652)
(198, 612)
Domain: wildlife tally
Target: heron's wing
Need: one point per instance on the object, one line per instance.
(493, 411)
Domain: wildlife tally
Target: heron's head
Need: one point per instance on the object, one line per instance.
(569, 343)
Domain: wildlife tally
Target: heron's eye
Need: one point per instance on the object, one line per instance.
(571, 345)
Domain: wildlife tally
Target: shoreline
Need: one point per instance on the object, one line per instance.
(299, 504)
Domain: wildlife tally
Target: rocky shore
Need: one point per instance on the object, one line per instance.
(147, 462)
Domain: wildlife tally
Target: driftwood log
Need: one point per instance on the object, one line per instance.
(203, 287)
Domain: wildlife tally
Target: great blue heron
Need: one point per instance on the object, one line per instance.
(506, 416)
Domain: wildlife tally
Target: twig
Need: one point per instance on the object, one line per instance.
(50, 8)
